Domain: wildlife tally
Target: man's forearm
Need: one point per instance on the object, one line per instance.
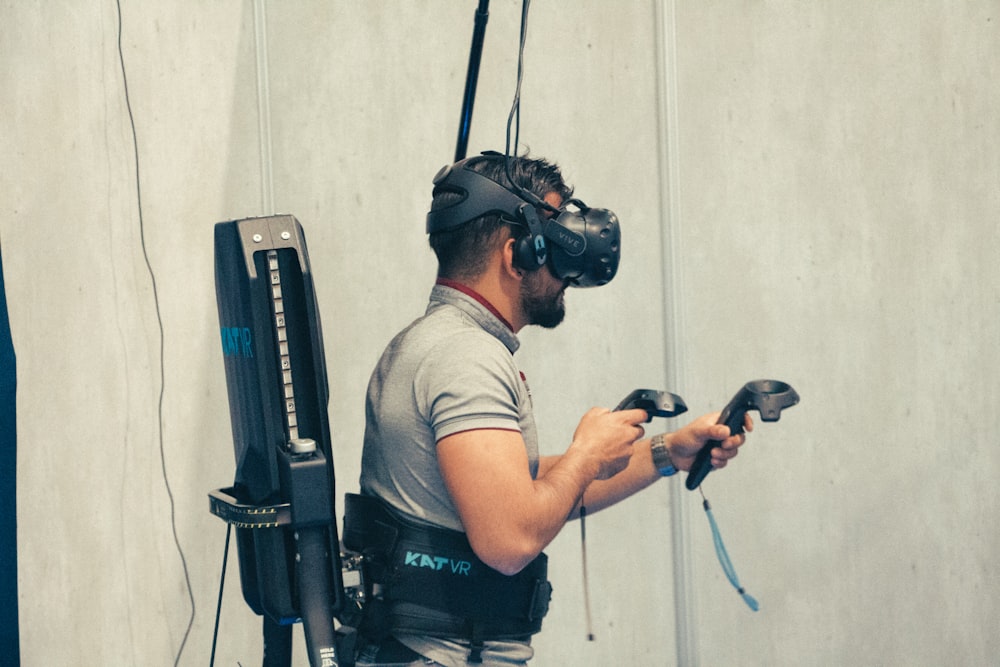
(639, 474)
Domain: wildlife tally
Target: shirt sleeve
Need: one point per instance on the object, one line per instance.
(467, 382)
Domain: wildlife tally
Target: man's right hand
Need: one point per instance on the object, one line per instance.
(608, 436)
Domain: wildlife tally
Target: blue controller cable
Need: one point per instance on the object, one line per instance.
(720, 551)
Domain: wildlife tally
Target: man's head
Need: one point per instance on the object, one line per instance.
(463, 251)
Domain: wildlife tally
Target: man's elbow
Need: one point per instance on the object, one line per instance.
(509, 557)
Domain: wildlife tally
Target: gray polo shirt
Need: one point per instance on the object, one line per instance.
(450, 371)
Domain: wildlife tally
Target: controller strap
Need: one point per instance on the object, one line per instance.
(723, 555)
(586, 578)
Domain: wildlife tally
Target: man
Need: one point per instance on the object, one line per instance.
(450, 440)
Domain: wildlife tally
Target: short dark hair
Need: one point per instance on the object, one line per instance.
(463, 252)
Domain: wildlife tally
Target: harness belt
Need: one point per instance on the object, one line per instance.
(432, 583)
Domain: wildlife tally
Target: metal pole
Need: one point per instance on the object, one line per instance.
(263, 108)
(471, 78)
(686, 635)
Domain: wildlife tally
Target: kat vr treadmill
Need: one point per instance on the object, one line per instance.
(281, 503)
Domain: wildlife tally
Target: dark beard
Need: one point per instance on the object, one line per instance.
(545, 310)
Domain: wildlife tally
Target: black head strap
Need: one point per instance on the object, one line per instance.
(490, 198)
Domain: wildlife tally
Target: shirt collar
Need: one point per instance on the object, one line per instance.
(476, 306)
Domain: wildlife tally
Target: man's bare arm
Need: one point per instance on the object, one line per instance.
(510, 517)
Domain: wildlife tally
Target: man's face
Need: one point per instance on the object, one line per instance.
(542, 294)
(542, 298)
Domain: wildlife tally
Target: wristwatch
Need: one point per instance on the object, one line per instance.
(661, 456)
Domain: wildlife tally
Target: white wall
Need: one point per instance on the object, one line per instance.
(836, 190)
(844, 160)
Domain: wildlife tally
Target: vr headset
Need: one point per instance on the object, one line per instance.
(581, 245)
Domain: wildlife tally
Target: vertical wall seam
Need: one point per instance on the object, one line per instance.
(263, 108)
(673, 325)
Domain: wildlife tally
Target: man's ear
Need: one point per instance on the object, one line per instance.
(508, 260)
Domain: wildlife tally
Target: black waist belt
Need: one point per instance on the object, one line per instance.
(435, 568)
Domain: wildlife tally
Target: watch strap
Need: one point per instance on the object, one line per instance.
(661, 456)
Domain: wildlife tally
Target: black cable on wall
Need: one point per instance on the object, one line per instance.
(159, 322)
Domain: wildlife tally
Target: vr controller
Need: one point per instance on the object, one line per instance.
(655, 403)
(769, 397)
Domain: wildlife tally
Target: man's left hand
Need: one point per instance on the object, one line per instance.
(686, 442)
